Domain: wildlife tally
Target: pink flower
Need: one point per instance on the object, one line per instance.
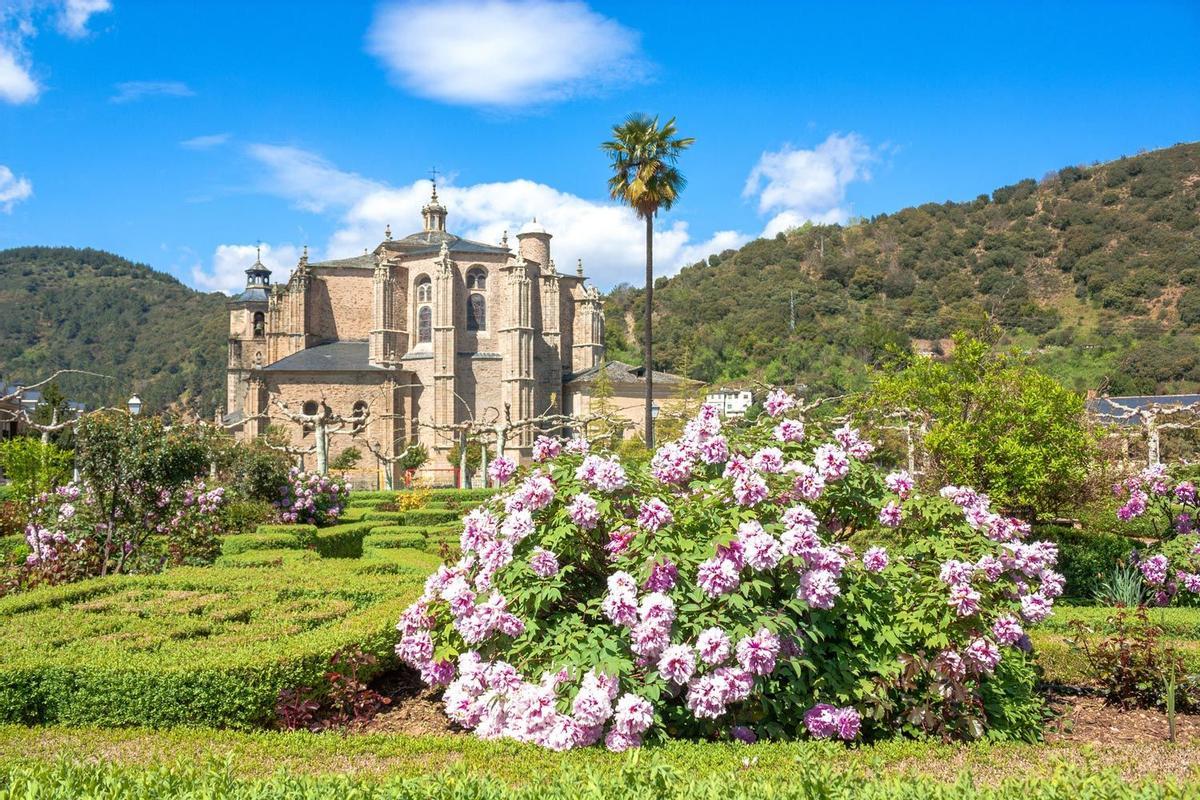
(1154, 569)
(1007, 630)
(1035, 607)
(757, 653)
(543, 563)
(825, 721)
(778, 402)
(790, 430)
(890, 515)
(654, 515)
(502, 468)
(983, 655)
(672, 463)
(1190, 581)
(743, 734)
(768, 459)
(750, 489)
(717, 576)
(963, 599)
(899, 482)
(584, 511)
(809, 483)
(875, 559)
(677, 663)
(713, 645)
(715, 450)
(606, 475)
(831, 461)
(634, 715)
(545, 448)
(819, 588)
(662, 577)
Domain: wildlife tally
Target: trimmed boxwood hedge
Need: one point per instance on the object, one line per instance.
(244, 542)
(199, 645)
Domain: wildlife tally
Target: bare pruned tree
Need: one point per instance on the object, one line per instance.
(1153, 419)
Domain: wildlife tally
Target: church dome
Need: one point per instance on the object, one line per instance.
(533, 226)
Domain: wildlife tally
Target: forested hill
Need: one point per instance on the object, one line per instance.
(1094, 270)
(61, 308)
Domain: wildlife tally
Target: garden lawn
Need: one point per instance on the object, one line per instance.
(803, 769)
(203, 645)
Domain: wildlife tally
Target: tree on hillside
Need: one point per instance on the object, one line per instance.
(994, 423)
(645, 178)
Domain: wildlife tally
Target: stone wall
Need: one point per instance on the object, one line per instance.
(340, 303)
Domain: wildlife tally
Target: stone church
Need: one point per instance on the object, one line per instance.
(427, 331)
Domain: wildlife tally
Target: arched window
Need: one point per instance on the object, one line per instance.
(424, 290)
(477, 279)
(259, 323)
(424, 325)
(476, 313)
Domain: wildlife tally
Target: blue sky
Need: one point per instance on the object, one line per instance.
(179, 134)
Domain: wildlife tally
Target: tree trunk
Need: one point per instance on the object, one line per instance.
(322, 446)
(648, 358)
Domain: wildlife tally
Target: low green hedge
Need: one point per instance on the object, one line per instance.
(386, 540)
(305, 533)
(200, 645)
(640, 779)
(342, 541)
(244, 542)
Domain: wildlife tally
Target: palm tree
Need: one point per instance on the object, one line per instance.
(646, 179)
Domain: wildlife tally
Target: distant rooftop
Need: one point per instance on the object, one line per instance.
(620, 372)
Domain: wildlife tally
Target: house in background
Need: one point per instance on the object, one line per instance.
(730, 402)
(628, 394)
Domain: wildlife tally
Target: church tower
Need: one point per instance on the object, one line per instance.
(517, 346)
(247, 332)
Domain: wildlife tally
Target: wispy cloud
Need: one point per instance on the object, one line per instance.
(13, 190)
(799, 186)
(19, 21)
(206, 142)
(131, 91)
(74, 15)
(504, 53)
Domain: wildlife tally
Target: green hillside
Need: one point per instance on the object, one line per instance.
(61, 308)
(1095, 270)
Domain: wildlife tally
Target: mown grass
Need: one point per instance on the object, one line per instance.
(398, 756)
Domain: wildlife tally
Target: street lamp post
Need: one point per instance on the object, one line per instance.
(134, 405)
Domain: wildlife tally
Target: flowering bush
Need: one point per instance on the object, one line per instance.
(67, 535)
(716, 592)
(311, 498)
(1171, 505)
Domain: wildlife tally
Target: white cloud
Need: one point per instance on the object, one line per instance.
(130, 91)
(16, 84)
(503, 53)
(74, 15)
(19, 23)
(205, 142)
(809, 185)
(608, 237)
(13, 189)
(230, 262)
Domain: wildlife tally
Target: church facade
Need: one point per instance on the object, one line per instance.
(428, 331)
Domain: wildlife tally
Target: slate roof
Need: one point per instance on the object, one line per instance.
(1106, 405)
(431, 242)
(331, 357)
(620, 372)
(253, 294)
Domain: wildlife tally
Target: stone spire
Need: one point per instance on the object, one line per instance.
(258, 275)
(434, 214)
(387, 232)
(579, 268)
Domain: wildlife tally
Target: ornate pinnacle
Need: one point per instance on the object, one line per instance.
(579, 268)
(387, 232)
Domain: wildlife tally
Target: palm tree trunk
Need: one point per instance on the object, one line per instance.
(648, 359)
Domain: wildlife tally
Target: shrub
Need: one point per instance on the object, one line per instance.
(342, 541)
(307, 534)
(245, 542)
(311, 498)
(1085, 558)
(243, 516)
(1132, 663)
(32, 467)
(1122, 586)
(712, 592)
